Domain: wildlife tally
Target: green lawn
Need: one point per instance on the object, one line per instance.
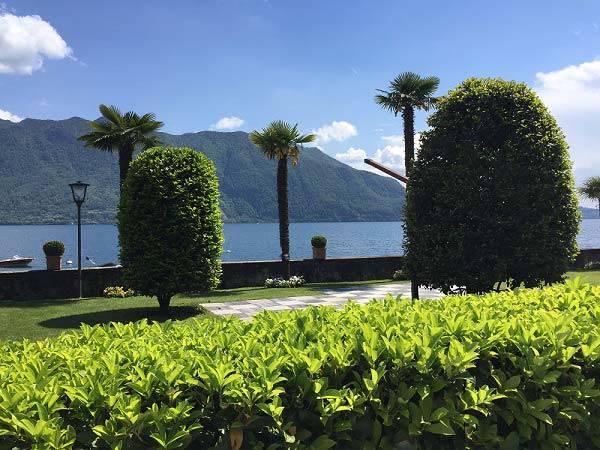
(44, 318)
(591, 277)
(38, 319)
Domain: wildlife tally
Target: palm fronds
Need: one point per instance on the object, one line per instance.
(280, 139)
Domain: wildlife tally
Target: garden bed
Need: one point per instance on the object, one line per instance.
(508, 370)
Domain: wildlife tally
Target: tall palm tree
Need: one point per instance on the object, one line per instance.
(407, 92)
(282, 141)
(123, 133)
(591, 190)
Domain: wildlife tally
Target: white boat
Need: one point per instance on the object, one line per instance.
(16, 261)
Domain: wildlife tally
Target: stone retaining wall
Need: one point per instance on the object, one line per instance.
(43, 284)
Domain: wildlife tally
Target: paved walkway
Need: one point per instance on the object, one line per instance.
(329, 297)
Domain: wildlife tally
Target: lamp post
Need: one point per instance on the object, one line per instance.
(78, 190)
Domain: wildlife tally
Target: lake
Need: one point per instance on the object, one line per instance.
(243, 242)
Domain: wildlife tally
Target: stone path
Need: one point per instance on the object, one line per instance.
(329, 297)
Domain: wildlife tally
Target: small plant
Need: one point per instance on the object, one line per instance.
(592, 265)
(117, 292)
(400, 275)
(292, 282)
(54, 248)
(318, 241)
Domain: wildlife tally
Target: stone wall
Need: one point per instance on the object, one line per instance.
(43, 284)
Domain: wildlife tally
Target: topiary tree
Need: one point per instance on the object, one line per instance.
(170, 228)
(491, 199)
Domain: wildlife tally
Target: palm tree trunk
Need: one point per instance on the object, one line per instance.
(408, 116)
(284, 219)
(125, 158)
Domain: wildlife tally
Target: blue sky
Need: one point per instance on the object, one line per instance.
(315, 62)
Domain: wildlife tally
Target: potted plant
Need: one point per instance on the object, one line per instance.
(53, 251)
(319, 247)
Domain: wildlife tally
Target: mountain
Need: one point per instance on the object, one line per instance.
(39, 158)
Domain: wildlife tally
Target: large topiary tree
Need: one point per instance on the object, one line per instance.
(491, 199)
(170, 228)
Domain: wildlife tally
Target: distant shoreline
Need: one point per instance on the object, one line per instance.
(228, 223)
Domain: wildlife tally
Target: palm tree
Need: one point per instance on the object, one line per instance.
(280, 140)
(407, 92)
(123, 133)
(591, 190)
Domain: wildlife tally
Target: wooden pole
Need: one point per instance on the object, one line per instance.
(414, 287)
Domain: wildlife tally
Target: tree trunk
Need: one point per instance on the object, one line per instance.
(284, 219)
(164, 300)
(408, 115)
(125, 158)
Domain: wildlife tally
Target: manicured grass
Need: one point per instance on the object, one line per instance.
(44, 318)
(591, 277)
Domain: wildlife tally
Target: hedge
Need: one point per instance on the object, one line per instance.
(492, 198)
(504, 371)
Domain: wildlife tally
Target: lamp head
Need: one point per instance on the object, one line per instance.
(78, 190)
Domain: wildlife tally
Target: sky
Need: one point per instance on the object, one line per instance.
(238, 64)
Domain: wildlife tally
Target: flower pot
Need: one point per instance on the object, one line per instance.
(319, 253)
(53, 262)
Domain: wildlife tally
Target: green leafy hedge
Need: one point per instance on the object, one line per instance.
(504, 371)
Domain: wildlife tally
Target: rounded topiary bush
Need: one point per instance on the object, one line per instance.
(492, 197)
(54, 248)
(318, 241)
(170, 228)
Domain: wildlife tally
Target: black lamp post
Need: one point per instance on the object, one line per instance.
(78, 190)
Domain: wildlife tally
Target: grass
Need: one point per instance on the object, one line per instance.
(587, 276)
(38, 319)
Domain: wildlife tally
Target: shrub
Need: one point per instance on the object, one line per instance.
(117, 292)
(400, 275)
(170, 228)
(54, 248)
(318, 241)
(508, 370)
(293, 281)
(492, 197)
(592, 265)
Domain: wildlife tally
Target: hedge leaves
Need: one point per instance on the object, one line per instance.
(509, 370)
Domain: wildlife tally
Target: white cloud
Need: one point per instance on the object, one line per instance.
(391, 156)
(573, 96)
(398, 139)
(572, 88)
(5, 115)
(335, 131)
(354, 157)
(228, 123)
(25, 41)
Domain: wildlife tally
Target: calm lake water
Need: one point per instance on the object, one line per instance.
(243, 242)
